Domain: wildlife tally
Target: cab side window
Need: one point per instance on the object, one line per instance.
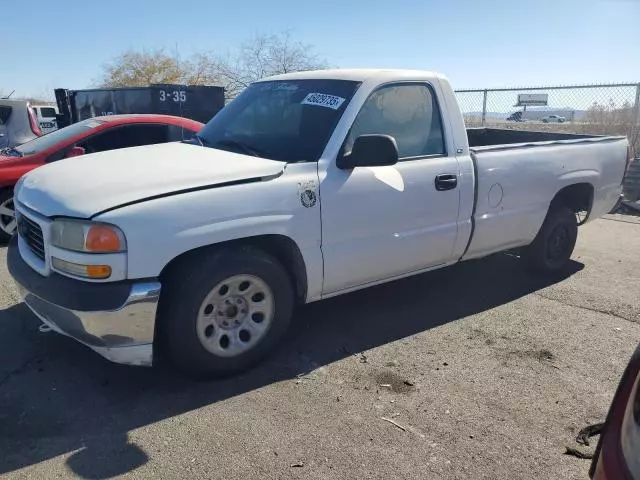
(407, 112)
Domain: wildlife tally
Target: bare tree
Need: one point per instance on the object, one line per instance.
(263, 56)
(140, 69)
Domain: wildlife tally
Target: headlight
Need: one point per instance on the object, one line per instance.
(89, 237)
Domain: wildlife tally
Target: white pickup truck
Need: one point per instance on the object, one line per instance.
(306, 186)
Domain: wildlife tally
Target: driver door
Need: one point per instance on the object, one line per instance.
(384, 222)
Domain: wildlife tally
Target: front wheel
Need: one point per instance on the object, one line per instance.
(551, 250)
(7, 216)
(222, 311)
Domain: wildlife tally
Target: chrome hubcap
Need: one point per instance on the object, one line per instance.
(235, 315)
(7, 216)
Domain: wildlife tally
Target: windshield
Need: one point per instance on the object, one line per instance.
(49, 140)
(290, 121)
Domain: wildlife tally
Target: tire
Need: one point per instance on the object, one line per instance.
(551, 250)
(196, 312)
(7, 221)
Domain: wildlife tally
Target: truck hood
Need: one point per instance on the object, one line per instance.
(86, 185)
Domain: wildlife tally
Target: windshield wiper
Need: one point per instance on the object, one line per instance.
(242, 146)
(11, 151)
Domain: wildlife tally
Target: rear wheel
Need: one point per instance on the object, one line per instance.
(551, 250)
(223, 311)
(7, 216)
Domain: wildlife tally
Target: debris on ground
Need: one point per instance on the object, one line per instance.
(394, 382)
(545, 354)
(363, 358)
(393, 422)
(589, 431)
(297, 465)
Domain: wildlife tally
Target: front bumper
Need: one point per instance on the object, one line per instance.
(117, 319)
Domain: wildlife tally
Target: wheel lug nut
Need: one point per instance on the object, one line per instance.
(239, 301)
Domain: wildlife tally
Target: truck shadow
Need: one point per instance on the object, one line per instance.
(57, 397)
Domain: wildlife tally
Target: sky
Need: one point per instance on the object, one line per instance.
(476, 43)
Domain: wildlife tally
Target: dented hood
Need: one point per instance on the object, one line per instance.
(86, 185)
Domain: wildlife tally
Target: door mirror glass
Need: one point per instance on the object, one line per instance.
(370, 151)
(74, 152)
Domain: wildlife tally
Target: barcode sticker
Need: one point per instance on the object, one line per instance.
(323, 100)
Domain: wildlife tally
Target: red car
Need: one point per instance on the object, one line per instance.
(88, 136)
(617, 456)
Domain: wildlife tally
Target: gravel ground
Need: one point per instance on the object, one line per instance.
(477, 371)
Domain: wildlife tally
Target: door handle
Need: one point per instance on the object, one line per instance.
(446, 181)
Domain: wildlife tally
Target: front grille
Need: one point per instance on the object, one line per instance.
(31, 233)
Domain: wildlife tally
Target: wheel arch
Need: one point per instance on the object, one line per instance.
(578, 197)
(281, 247)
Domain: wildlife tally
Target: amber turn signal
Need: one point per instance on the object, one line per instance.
(96, 272)
(103, 239)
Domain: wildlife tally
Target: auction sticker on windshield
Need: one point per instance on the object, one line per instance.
(323, 100)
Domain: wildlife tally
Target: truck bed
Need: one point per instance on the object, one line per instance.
(491, 137)
(518, 173)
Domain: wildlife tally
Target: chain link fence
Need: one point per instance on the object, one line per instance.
(612, 109)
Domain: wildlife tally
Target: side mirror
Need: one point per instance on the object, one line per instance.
(370, 151)
(74, 152)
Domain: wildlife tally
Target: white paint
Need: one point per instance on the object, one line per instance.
(495, 195)
(530, 177)
(372, 225)
(389, 175)
(83, 186)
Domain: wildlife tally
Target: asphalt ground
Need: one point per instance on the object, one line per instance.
(476, 371)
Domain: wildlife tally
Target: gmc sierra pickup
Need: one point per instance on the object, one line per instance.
(306, 186)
